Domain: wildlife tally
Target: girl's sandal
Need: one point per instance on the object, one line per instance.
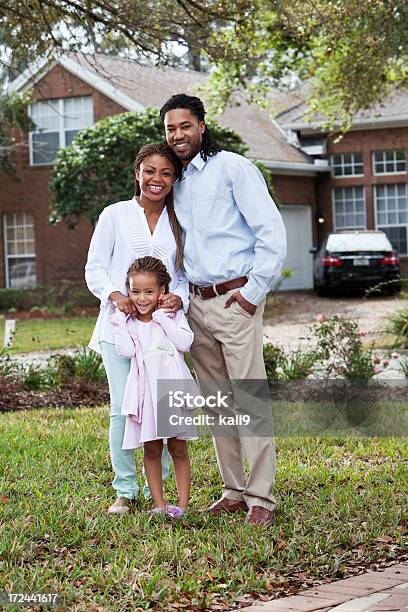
(158, 511)
(174, 512)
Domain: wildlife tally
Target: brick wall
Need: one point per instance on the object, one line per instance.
(60, 253)
(297, 190)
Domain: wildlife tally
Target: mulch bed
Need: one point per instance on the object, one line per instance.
(339, 390)
(79, 393)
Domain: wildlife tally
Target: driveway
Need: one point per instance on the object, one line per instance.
(297, 310)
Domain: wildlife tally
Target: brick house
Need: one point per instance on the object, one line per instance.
(74, 91)
(367, 186)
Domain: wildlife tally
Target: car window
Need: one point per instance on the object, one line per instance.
(358, 242)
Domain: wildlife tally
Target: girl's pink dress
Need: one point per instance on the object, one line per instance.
(156, 352)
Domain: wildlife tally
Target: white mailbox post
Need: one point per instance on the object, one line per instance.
(9, 331)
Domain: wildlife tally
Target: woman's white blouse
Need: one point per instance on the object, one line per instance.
(122, 235)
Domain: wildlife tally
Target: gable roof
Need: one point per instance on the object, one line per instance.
(136, 86)
(392, 111)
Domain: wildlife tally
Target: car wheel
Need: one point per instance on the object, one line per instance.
(322, 291)
(393, 290)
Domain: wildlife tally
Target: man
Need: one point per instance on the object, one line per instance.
(235, 243)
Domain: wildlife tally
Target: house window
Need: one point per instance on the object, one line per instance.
(349, 208)
(347, 164)
(389, 162)
(19, 249)
(391, 210)
(57, 122)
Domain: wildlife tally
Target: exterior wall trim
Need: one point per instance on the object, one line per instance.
(371, 123)
(31, 75)
(293, 168)
(38, 69)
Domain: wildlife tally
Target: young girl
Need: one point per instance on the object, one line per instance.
(155, 340)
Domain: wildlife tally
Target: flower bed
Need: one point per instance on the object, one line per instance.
(338, 368)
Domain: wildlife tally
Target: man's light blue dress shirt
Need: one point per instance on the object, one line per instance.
(231, 224)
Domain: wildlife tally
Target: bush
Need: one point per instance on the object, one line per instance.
(339, 349)
(67, 297)
(273, 356)
(297, 365)
(83, 364)
(398, 325)
(97, 168)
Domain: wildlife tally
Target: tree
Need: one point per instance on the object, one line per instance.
(97, 169)
(146, 29)
(350, 53)
(14, 122)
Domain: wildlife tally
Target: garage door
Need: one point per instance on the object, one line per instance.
(298, 223)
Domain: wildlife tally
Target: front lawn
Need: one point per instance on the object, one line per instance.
(51, 334)
(341, 507)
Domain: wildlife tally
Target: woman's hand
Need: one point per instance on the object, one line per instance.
(122, 302)
(170, 302)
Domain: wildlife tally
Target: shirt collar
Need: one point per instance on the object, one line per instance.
(197, 162)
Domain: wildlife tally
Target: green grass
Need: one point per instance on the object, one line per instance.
(52, 334)
(341, 501)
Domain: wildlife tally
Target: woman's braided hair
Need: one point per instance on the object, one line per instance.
(209, 146)
(165, 151)
(153, 266)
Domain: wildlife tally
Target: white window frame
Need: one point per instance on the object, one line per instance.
(342, 165)
(8, 255)
(59, 103)
(381, 226)
(383, 151)
(335, 227)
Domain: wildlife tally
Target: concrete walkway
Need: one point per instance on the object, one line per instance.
(382, 591)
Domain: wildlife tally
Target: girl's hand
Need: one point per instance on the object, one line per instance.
(170, 302)
(122, 302)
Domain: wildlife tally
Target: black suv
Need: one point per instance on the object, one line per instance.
(358, 259)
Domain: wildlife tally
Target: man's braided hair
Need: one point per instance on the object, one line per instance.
(153, 266)
(209, 146)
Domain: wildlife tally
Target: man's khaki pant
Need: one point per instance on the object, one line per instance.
(228, 345)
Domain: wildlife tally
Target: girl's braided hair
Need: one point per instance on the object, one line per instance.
(209, 146)
(164, 150)
(153, 266)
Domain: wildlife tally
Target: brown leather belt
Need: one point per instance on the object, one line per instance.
(206, 293)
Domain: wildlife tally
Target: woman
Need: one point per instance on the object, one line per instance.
(145, 225)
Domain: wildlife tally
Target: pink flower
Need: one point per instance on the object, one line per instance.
(377, 369)
(395, 355)
(320, 318)
(385, 362)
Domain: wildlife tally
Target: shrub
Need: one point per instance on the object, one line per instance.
(34, 377)
(273, 356)
(298, 365)
(97, 168)
(83, 364)
(398, 325)
(340, 350)
(66, 296)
